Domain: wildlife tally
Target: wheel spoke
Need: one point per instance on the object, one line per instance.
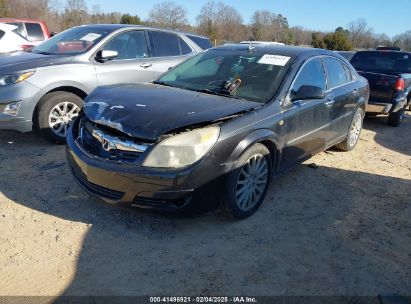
(54, 123)
(252, 182)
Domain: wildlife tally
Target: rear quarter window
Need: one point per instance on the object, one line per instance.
(203, 43)
(1, 34)
(34, 32)
(185, 49)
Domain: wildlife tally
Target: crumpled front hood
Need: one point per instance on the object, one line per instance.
(147, 111)
(22, 61)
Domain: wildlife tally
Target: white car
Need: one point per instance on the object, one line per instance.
(9, 40)
(262, 42)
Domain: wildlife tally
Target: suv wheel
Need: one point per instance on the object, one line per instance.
(354, 132)
(55, 113)
(395, 118)
(248, 184)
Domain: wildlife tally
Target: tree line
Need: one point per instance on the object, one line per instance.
(221, 22)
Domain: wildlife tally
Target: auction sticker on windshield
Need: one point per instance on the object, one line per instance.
(90, 37)
(274, 59)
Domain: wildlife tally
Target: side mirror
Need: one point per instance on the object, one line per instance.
(106, 55)
(308, 92)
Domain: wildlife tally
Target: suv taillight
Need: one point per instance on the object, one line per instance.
(26, 47)
(400, 84)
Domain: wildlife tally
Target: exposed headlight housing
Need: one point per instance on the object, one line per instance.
(11, 109)
(183, 149)
(12, 79)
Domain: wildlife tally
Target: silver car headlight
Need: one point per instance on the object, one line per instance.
(12, 79)
(183, 149)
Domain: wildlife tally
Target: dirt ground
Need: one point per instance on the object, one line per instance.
(342, 228)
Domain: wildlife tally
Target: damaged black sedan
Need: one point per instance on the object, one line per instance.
(212, 132)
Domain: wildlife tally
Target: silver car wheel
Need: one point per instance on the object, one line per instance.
(355, 130)
(61, 116)
(252, 182)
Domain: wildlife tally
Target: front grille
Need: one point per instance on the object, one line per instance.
(96, 189)
(93, 146)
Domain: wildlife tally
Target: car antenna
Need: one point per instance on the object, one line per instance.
(251, 47)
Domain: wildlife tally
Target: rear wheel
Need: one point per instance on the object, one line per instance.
(395, 118)
(248, 184)
(55, 113)
(354, 132)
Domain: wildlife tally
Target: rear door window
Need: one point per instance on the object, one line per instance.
(348, 73)
(336, 74)
(311, 74)
(164, 44)
(34, 32)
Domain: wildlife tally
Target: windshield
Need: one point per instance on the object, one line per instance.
(397, 62)
(255, 77)
(74, 41)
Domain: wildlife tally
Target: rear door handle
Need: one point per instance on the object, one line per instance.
(145, 65)
(329, 102)
(355, 91)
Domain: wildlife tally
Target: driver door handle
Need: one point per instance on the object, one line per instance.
(145, 65)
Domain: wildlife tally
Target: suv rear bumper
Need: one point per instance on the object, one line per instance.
(378, 107)
(386, 107)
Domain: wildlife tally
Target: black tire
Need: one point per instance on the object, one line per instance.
(395, 118)
(348, 144)
(230, 206)
(44, 109)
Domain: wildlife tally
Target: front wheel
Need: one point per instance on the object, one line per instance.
(248, 184)
(354, 132)
(55, 113)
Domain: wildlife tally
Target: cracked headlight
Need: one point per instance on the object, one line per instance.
(12, 79)
(183, 149)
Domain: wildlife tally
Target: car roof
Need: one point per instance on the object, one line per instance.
(385, 52)
(284, 50)
(20, 20)
(114, 27)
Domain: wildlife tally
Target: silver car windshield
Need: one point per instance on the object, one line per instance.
(244, 75)
(74, 41)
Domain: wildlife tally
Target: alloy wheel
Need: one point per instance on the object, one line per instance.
(355, 130)
(61, 116)
(252, 182)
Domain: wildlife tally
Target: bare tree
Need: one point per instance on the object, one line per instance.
(302, 36)
(266, 25)
(221, 22)
(403, 40)
(75, 13)
(168, 15)
(360, 33)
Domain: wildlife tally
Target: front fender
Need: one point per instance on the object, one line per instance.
(254, 137)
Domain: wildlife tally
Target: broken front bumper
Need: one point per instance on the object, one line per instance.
(194, 189)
